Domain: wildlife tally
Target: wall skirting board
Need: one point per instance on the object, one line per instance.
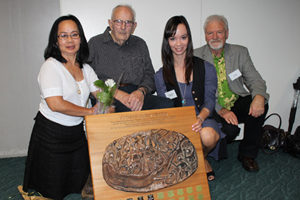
(13, 153)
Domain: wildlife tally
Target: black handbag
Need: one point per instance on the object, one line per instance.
(272, 138)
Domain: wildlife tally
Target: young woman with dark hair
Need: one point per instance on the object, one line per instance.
(190, 81)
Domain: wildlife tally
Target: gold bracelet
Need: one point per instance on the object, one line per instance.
(200, 118)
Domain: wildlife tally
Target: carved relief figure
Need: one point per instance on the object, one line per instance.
(149, 160)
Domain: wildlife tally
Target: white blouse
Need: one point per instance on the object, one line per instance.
(55, 80)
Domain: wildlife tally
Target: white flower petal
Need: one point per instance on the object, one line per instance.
(110, 83)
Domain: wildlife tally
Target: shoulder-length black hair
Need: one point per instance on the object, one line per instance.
(52, 50)
(166, 52)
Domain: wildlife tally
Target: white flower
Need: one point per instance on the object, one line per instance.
(110, 83)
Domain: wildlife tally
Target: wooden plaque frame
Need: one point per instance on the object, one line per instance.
(105, 128)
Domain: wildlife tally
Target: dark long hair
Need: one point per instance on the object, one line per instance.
(52, 50)
(166, 52)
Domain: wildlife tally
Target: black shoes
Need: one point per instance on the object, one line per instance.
(248, 164)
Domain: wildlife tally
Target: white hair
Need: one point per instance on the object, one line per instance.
(124, 5)
(218, 18)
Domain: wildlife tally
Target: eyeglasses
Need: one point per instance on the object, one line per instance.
(64, 36)
(119, 22)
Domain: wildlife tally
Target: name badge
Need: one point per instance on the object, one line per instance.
(234, 75)
(171, 94)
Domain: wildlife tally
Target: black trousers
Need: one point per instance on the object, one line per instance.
(249, 146)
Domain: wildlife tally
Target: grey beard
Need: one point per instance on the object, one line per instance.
(215, 47)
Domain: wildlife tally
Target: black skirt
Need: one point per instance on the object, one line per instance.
(57, 163)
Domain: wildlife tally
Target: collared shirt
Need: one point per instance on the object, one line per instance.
(109, 60)
(226, 97)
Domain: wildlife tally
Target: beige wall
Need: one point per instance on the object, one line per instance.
(24, 31)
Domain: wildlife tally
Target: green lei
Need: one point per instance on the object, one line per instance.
(226, 97)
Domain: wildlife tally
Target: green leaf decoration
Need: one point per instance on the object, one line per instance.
(99, 83)
(105, 88)
(104, 97)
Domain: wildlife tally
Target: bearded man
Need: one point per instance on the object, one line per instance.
(241, 96)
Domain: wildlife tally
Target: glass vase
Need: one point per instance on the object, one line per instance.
(102, 109)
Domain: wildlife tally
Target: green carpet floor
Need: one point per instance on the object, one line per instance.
(278, 178)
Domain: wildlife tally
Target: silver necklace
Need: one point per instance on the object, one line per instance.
(183, 95)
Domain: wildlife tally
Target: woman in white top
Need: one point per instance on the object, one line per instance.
(58, 162)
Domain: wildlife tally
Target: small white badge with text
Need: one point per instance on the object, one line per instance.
(171, 94)
(234, 75)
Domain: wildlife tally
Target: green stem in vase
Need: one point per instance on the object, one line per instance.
(104, 108)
